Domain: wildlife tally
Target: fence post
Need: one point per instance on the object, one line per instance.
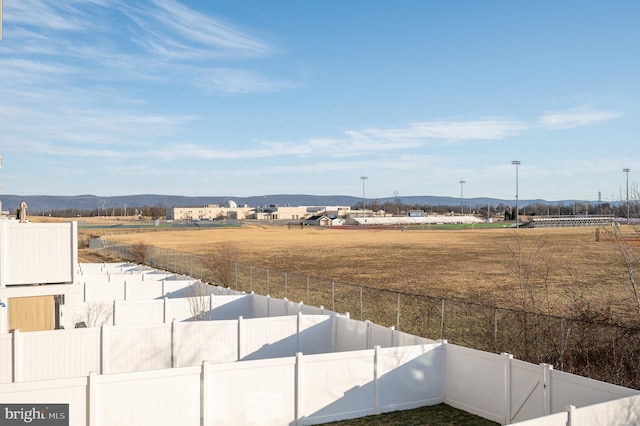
(104, 355)
(571, 413)
(442, 319)
(507, 388)
(268, 282)
(495, 329)
(250, 279)
(174, 343)
(298, 330)
(546, 386)
(17, 356)
(286, 285)
(298, 407)
(212, 304)
(562, 343)
(398, 313)
(240, 337)
(308, 290)
(361, 303)
(368, 342)
(164, 309)
(92, 400)
(333, 296)
(236, 275)
(205, 405)
(376, 390)
(268, 306)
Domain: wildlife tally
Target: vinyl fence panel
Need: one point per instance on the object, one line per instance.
(92, 314)
(475, 382)
(569, 389)
(337, 386)
(136, 348)
(350, 335)
(316, 334)
(60, 391)
(261, 392)
(167, 397)
(65, 353)
(211, 341)
(410, 377)
(95, 291)
(625, 411)
(268, 337)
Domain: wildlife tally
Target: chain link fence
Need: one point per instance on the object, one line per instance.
(602, 351)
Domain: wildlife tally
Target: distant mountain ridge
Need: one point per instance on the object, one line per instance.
(43, 203)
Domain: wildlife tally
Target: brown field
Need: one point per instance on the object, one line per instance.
(562, 268)
(502, 278)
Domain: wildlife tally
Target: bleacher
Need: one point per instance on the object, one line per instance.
(570, 221)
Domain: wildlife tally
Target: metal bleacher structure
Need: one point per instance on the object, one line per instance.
(570, 221)
(144, 346)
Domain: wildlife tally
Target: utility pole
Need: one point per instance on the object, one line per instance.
(363, 199)
(462, 182)
(627, 172)
(517, 163)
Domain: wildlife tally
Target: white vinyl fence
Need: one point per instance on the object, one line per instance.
(318, 388)
(259, 364)
(58, 354)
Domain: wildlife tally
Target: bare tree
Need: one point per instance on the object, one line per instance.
(625, 245)
(223, 263)
(199, 302)
(139, 252)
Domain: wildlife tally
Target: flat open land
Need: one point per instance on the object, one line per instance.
(548, 270)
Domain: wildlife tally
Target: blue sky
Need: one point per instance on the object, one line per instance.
(241, 98)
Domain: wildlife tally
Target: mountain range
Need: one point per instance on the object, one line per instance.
(45, 203)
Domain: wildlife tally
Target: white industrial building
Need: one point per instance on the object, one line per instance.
(233, 211)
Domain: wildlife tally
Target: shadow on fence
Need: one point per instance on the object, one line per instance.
(602, 351)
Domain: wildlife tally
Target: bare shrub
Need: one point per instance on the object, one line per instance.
(199, 302)
(626, 246)
(223, 263)
(139, 252)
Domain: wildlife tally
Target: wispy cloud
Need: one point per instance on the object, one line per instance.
(451, 130)
(161, 39)
(168, 28)
(59, 16)
(235, 81)
(577, 117)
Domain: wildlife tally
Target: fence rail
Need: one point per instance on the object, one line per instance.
(598, 350)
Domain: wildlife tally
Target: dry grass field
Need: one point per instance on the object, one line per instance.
(502, 278)
(559, 269)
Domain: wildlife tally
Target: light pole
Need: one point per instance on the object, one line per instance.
(461, 202)
(627, 172)
(516, 163)
(363, 199)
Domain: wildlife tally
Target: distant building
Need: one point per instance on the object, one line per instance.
(211, 212)
(272, 212)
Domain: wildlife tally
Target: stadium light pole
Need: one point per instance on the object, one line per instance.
(627, 172)
(516, 163)
(462, 182)
(363, 199)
